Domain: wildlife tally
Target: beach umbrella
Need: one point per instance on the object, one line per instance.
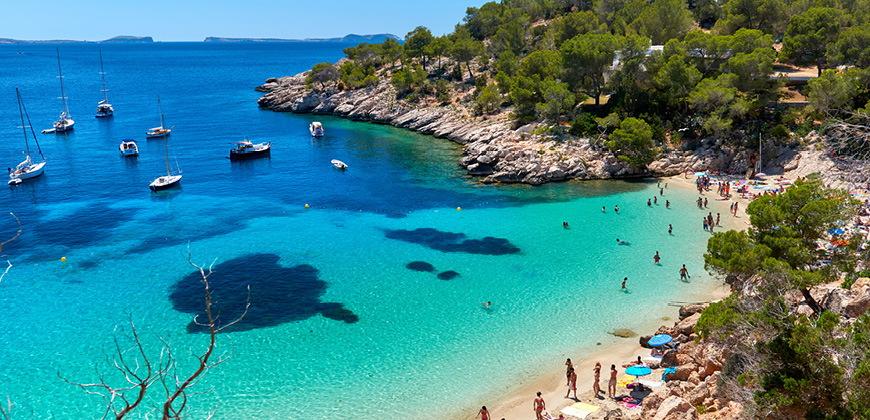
(836, 231)
(638, 370)
(660, 340)
(700, 174)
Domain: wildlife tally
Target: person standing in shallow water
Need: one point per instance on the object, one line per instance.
(616, 208)
(623, 283)
(684, 273)
(603, 209)
(670, 229)
(539, 406)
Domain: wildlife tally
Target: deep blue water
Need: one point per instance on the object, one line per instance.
(339, 327)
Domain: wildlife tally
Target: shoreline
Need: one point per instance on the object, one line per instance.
(517, 405)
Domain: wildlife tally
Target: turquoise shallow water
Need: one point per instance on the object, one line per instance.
(414, 345)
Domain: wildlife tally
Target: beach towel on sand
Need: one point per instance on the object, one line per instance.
(580, 410)
(625, 380)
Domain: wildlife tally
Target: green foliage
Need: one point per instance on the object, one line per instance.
(852, 47)
(354, 76)
(542, 64)
(584, 60)
(831, 93)
(323, 73)
(576, 23)
(442, 91)
(507, 63)
(504, 82)
(808, 35)
(407, 78)
(633, 142)
(439, 47)
(511, 36)
(768, 16)
(465, 48)
(665, 20)
(584, 125)
(557, 100)
(489, 99)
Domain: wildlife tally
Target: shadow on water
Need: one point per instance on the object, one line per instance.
(453, 242)
(278, 294)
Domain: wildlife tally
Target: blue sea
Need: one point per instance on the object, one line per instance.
(339, 327)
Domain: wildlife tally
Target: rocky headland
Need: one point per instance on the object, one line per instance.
(495, 150)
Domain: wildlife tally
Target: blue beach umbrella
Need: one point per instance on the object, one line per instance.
(836, 231)
(660, 340)
(638, 370)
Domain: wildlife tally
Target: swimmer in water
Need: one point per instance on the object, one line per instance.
(670, 229)
(616, 208)
(621, 242)
(486, 305)
(657, 258)
(623, 283)
(603, 209)
(565, 225)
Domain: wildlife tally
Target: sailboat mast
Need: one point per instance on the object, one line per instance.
(103, 73)
(166, 149)
(23, 127)
(160, 108)
(60, 76)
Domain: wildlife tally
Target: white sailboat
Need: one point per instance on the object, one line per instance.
(64, 122)
(168, 181)
(26, 169)
(104, 108)
(161, 131)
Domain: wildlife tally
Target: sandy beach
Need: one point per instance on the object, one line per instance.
(613, 350)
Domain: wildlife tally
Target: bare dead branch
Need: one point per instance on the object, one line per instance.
(17, 234)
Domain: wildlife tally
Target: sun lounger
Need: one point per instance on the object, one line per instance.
(653, 359)
(625, 380)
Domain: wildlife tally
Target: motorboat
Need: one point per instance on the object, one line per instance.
(64, 122)
(168, 181)
(316, 129)
(247, 150)
(128, 148)
(104, 108)
(339, 164)
(161, 131)
(26, 169)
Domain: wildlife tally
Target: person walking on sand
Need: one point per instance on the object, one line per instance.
(705, 202)
(667, 204)
(623, 283)
(596, 388)
(684, 273)
(572, 383)
(735, 208)
(483, 414)
(717, 219)
(539, 407)
(568, 369)
(611, 384)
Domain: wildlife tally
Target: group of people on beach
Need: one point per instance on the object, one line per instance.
(709, 223)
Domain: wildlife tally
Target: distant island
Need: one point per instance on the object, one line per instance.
(372, 39)
(124, 39)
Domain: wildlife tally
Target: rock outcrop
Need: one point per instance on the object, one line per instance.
(494, 149)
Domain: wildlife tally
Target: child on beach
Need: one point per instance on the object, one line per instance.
(572, 383)
(623, 283)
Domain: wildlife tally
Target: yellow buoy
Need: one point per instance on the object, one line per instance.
(306, 206)
(459, 209)
(63, 258)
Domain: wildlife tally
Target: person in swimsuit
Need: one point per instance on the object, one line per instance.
(572, 383)
(623, 283)
(539, 407)
(486, 304)
(568, 369)
(649, 203)
(616, 208)
(670, 229)
(596, 388)
(611, 385)
(657, 258)
(684, 273)
(483, 414)
(603, 209)
(655, 200)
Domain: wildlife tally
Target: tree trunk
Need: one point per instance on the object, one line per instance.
(811, 301)
(468, 65)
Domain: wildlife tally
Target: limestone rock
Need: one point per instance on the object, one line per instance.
(684, 371)
(687, 325)
(858, 306)
(689, 310)
(698, 395)
(676, 408)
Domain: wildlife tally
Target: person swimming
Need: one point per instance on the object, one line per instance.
(603, 209)
(486, 305)
(565, 225)
(621, 242)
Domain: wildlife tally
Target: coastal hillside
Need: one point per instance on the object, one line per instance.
(653, 88)
(123, 39)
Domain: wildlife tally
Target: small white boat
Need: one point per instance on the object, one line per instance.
(104, 108)
(247, 150)
(339, 164)
(26, 169)
(65, 121)
(158, 132)
(316, 129)
(128, 148)
(168, 181)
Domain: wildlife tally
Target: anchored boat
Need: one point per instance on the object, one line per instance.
(158, 132)
(104, 108)
(26, 169)
(247, 150)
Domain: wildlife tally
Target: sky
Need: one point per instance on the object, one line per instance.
(193, 20)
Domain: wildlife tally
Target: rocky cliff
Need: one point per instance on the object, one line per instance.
(494, 150)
